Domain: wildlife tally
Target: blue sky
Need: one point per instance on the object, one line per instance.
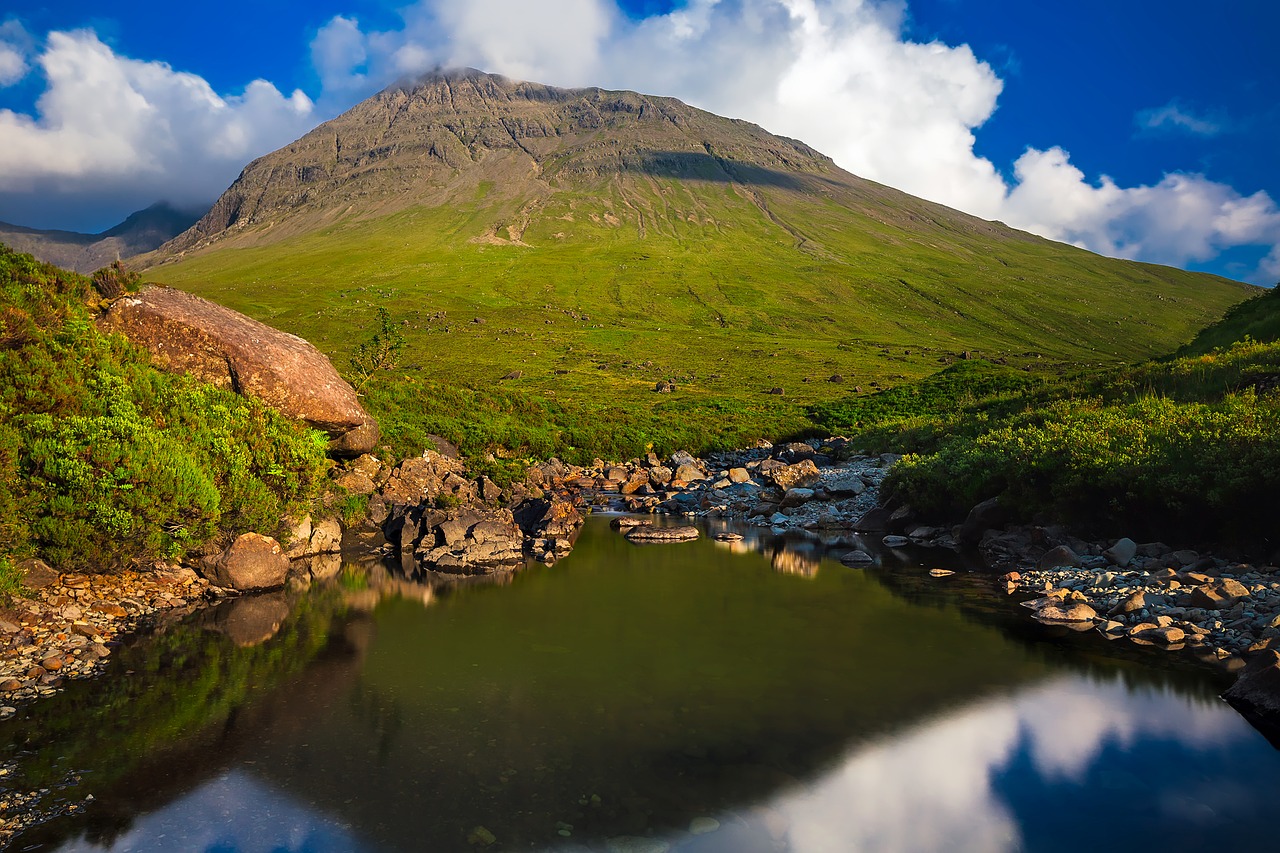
(1138, 129)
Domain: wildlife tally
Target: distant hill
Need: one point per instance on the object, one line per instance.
(584, 244)
(141, 232)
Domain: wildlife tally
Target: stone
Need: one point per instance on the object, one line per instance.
(941, 573)
(1218, 595)
(326, 537)
(727, 537)
(739, 475)
(689, 474)
(1067, 612)
(252, 562)
(1168, 634)
(299, 538)
(356, 483)
(187, 334)
(857, 558)
(799, 474)
(108, 608)
(1132, 603)
(664, 387)
(894, 541)
(1258, 686)
(987, 515)
(660, 475)
(662, 534)
(797, 497)
(873, 521)
(1059, 557)
(1121, 552)
(470, 541)
(37, 574)
(845, 484)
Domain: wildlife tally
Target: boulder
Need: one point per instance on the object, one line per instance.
(542, 518)
(356, 483)
(37, 574)
(253, 561)
(1218, 595)
(689, 474)
(857, 558)
(873, 521)
(1059, 557)
(803, 473)
(983, 517)
(1068, 611)
(739, 475)
(1122, 552)
(299, 538)
(1132, 603)
(797, 497)
(1258, 686)
(187, 334)
(326, 537)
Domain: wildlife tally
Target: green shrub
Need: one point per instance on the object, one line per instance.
(105, 460)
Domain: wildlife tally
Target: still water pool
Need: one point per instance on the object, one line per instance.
(689, 697)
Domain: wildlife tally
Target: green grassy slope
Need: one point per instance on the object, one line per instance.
(609, 240)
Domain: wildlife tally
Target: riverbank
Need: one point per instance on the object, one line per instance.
(69, 624)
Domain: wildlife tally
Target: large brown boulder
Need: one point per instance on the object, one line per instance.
(187, 334)
(252, 562)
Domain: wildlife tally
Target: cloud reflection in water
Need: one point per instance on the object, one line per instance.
(936, 787)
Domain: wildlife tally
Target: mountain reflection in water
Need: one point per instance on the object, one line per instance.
(631, 693)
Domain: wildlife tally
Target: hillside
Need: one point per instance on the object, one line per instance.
(142, 231)
(588, 243)
(1257, 318)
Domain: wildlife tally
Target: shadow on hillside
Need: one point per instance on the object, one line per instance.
(696, 165)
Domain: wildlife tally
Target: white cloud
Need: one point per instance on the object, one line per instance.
(109, 124)
(1172, 117)
(15, 46)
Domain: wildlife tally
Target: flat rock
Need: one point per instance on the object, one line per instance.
(37, 574)
(663, 534)
(1067, 612)
(187, 334)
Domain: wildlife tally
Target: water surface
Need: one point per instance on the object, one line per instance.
(763, 695)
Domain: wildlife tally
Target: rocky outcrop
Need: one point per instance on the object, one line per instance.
(187, 334)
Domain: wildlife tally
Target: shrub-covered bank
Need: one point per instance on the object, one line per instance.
(1184, 448)
(106, 460)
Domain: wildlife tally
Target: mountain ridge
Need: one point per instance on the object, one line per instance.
(142, 231)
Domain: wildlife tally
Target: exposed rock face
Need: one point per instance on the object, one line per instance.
(187, 334)
(252, 562)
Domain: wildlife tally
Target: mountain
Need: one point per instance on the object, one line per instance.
(141, 232)
(594, 242)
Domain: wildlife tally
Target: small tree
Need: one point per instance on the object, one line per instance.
(381, 351)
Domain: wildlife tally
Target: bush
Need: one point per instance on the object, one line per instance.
(105, 460)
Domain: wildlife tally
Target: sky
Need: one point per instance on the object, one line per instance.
(1137, 129)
